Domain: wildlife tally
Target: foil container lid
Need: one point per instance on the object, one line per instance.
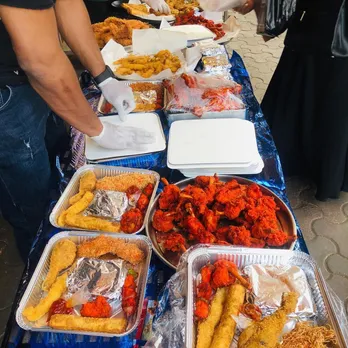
(97, 277)
(108, 204)
(270, 282)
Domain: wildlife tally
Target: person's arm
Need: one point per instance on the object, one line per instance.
(35, 41)
(75, 27)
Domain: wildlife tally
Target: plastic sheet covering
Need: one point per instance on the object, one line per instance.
(273, 16)
(271, 176)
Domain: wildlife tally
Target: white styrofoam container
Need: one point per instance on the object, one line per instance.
(194, 32)
(33, 293)
(146, 121)
(218, 143)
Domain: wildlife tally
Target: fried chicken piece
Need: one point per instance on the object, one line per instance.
(229, 192)
(254, 191)
(175, 242)
(92, 223)
(210, 220)
(197, 231)
(76, 323)
(87, 183)
(169, 198)
(206, 273)
(148, 190)
(276, 239)
(143, 202)
(264, 227)
(265, 333)
(239, 235)
(222, 232)
(163, 221)
(201, 310)
(234, 208)
(62, 257)
(204, 290)
(129, 295)
(132, 220)
(257, 243)
(102, 245)
(56, 291)
(196, 196)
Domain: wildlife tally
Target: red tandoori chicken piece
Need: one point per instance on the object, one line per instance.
(169, 198)
(239, 235)
(143, 202)
(210, 220)
(202, 309)
(132, 220)
(163, 221)
(234, 208)
(148, 190)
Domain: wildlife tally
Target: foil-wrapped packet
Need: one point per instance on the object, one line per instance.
(270, 282)
(108, 204)
(97, 277)
(211, 48)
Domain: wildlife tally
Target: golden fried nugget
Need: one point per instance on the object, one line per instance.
(102, 245)
(55, 293)
(76, 323)
(136, 10)
(63, 256)
(92, 223)
(82, 204)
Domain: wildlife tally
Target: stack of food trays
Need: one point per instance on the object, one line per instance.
(206, 147)
(148, 96)
(87, 283)
(106, 198)
(294, 284)
(242, 213)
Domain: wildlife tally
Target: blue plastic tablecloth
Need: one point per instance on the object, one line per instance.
(271, 176)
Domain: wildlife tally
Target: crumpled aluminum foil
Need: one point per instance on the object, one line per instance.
(145, 97)
(108, 204)
(99, 277)
(270, 282)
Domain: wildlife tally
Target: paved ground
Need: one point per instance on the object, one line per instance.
(325, 225)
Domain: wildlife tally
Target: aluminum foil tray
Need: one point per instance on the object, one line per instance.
(285, 220)
(102, 100)
(100, 172)
(33, 292)
(243, 257)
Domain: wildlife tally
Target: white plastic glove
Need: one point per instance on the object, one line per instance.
(119, 95)
(123, 137)
(158, 6)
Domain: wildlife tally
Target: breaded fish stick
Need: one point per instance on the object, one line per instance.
(74, 322)
(56, 291)
(206, 328)
(63, 256)
(91, 223)
(224, 332)
(87, 183)
(102, 245)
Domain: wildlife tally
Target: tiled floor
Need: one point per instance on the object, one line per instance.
(325, 225)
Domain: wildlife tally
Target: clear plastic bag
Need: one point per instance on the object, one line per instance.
(220, 5)
(200, 93)
(273, 16)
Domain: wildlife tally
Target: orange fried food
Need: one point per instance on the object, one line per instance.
(132, 220)
(206, 273)
(163, 221)
(202, 309)
(234, 208)
(197, 231)
(252, 311)
(229, 192)
(102, 245)
(99, 308)
(143, 202)
(169, 197)
(239, 235)
(196, 196)
(210, 220)
(277, 238)
(204, 290)
(136, 10)
(148, 190)
(175, 242)
(129, 294)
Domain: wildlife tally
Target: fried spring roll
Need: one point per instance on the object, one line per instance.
(74, 322)
(206, 328)
(224, 333)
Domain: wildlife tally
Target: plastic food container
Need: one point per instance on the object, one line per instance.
(100, 172)
(243, 257)
(222, 146)
(147, 121)
(33, 292)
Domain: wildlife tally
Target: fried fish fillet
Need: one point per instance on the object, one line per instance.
(223, 334)
(91, 223)
(63, 256)
(76, 323)
(76, 208)
(87, 183)
(206, 328)
(136, 10)
(265, 333)
(56, 292)
(102, 245)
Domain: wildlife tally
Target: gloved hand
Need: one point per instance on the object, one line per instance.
(122, 137)
(119, 95)
(158, 5)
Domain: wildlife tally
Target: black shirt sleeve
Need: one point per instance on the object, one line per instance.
(30, 4)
